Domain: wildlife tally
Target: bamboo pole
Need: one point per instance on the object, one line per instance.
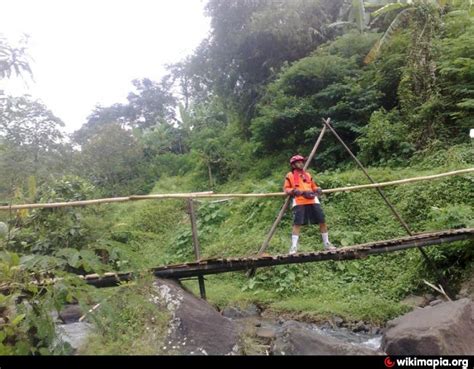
(105, 201)
(399, 181)
(379, 190)
(441, 278)
(210, 194)
(288, 199)
(279, 217)
(197, 248)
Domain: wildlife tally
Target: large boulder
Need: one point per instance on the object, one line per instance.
(295, 338)
(444, 329)
(196, 328)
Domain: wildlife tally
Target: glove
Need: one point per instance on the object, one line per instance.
(319, 192)
(309, 195)
(296, 193)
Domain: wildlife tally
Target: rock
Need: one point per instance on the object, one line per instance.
(252, 310)
(463, 292)
(233, 312)
(328, 325)
(467, 288)
(429, 297)
(444, 329)
(338, 321)
(360, 327)
(375, 330)
(266, 332)
(414, 301)
(435, 302)
(295, 339)
(70, 314)
(75, 334)
(195, 322)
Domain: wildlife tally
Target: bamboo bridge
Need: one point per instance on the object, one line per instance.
(201, 267)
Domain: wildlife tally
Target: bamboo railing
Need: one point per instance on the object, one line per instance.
(210, 194)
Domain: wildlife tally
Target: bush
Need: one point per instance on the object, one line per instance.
(47, 230)
(27, 326)
(129, 323)
(385, 139)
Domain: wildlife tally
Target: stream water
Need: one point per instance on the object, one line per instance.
(76, 334)
(356, 338)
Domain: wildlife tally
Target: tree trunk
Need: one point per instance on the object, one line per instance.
(209, 170)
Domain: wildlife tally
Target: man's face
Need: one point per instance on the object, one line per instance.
(299, 164)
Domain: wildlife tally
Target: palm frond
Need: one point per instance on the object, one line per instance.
(394, 26)
(340, 24)
(388, 8)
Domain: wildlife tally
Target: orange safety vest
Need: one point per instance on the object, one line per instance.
(300, 180)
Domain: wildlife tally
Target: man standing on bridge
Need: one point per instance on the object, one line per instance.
(305, 202)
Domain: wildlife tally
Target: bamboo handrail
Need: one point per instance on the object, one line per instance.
(400, 181)
(210, 194)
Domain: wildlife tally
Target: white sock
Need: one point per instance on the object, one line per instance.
(294, 241)
(325, 237)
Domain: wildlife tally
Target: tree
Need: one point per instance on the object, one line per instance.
(101, 116)
(113, 161)
(456, 75)
(331, 82)
(153, 104)
(352, 14)
(249, 42)
(207, 125)
(422, 15)
(32, 140)
(13, 59)
(422, 61)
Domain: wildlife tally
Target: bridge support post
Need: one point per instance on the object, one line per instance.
(197, 248)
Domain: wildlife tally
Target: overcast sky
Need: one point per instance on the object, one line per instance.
(87, 52)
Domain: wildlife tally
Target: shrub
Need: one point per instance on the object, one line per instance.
(384, 139)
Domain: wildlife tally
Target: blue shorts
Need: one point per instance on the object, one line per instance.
(308, 214)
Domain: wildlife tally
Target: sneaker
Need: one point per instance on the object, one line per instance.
(329, 246)
(292, 250)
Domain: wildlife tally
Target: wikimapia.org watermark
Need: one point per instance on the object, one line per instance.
(432, 363)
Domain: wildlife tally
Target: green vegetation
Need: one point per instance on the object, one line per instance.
(128, 322)
(398, 84)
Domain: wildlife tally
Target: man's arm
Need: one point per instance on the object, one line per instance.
(316, 189)
(288, 188)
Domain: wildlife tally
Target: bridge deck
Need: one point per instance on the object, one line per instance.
(214, 266)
